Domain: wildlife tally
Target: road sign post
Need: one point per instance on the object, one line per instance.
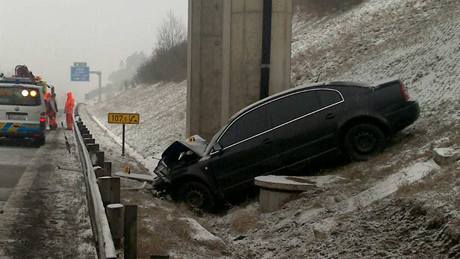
(123, 142)
(123, 118)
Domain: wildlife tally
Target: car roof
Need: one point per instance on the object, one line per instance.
(297, 89)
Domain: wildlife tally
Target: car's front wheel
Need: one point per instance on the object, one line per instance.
(363, 141)
(196, 195)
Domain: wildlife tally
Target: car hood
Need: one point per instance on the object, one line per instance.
(196, 144)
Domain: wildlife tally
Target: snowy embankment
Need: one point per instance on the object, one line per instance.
(417, 41)
(162, 111)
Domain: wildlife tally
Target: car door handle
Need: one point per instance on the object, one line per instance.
(330, 116)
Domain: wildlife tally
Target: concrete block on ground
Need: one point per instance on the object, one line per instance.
(446, 156)
(275, 191)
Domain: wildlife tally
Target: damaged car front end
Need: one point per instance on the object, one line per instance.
(175, 160)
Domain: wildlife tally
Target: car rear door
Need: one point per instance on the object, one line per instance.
(332, 107)
(247, 151)
(294, 123)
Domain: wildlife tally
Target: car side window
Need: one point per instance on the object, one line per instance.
(329, 97)
(289, 108)
(246, 126)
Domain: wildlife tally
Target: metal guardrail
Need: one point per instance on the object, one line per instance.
(99, 222)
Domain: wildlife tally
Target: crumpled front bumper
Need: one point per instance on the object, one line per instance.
(163, 181)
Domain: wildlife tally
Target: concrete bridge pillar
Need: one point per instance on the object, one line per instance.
(225, 58)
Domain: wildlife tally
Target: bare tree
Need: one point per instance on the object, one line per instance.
(171, 32)
(169, 58)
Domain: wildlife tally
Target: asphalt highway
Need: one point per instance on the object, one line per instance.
(15, 157)
(43, 210)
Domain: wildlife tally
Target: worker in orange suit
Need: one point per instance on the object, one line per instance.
(69, 106)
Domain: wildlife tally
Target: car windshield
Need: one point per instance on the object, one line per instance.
(20, 96)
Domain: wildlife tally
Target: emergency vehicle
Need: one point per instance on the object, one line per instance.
(22, 109)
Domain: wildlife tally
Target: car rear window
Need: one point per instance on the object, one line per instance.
(329, 97)
(20, 96)
(293, 107)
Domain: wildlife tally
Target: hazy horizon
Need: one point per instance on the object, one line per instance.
(49, 35)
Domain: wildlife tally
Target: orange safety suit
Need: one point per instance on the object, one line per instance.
(69, 106)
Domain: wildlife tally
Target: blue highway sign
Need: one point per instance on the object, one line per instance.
(79, 72)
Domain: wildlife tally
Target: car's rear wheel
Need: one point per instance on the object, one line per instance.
(196, 195)
(364, 141)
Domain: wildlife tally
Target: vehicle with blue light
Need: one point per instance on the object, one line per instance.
(22, 110)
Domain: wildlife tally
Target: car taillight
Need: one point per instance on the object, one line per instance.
(404, 92)
(43, 117)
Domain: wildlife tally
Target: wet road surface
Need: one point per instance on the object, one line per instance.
(15, 156)
(43, 210)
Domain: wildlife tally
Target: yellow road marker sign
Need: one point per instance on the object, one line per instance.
(124, 118)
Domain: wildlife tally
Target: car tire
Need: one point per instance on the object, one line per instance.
(363, 141)
(196, 196)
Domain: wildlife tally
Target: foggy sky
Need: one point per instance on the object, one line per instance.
(49, 35)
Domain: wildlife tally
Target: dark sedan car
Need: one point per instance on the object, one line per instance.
(286, 130)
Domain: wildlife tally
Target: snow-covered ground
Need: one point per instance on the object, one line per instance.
(162, 111)
(415, 40)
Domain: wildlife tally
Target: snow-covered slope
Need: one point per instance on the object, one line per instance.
(162, 111)
(415, 40)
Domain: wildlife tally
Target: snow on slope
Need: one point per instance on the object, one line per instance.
(162, 111)
(415, 40)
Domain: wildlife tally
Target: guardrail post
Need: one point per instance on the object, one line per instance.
(108, 168)
(100, 172)
(115, 216)
(110, 189)
(100, 158)
(130, 229)
(89, 141)
(86, 136)
(92, 148)
(97, 158)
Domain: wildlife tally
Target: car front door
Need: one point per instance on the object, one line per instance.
(295, 119)
(247, 150)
